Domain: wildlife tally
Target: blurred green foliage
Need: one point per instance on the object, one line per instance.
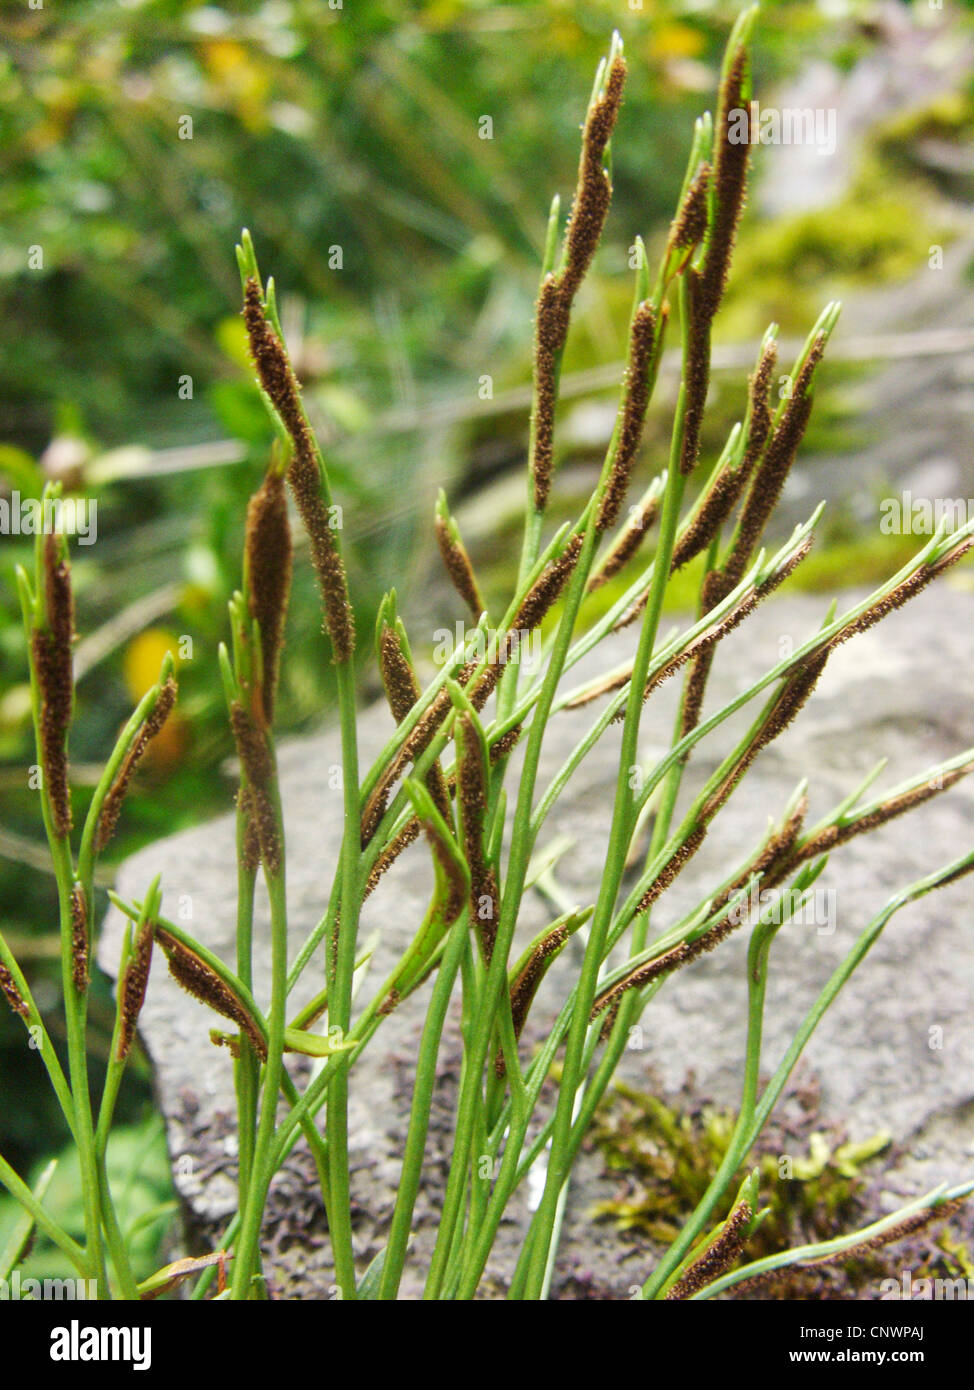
(138, 1169)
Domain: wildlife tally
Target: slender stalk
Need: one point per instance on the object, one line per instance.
(622, 821)
(128, 1287)
(412, 1163)
(246, 1067)
(75, 1018)
(340, 1001)
(75, 1003)
(513, 889)
(262, 1165)
(39, 1034)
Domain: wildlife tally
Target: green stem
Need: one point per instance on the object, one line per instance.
(246, 1067)
(114, 1237)
(340, 1001)
(622, 822)
(632, 1005)
(517, 867)
(75, 1011)
(40, 1038)
(263, 1166)
(412, 1164)
(740, 1142)
(115, 1240)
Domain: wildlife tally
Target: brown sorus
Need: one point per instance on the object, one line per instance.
(201, 980)
(525, 984)
(472, 794)
(902, 594)
(304, 474)
(705, 288)
(553, 313)
(390, 854)
(834, 835)
(51, 654)
(730, 183)
(642, 342)
(696, 373)
(547, 588)
(672, 868)
(775, 856)
(11, 992)
(258, 770)
(250, 844)
(594, 189)
(112, 805)
(718, 1256)
(79, 938)
(626, 546)
(456, 561)
(690, 222)
(703, 645)
(133, 986)
(402, 692)
(769, 476)
(786, 705)
(268, 559)
(911, 1225)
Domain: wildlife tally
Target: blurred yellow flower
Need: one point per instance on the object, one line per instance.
(140, 667)
(143, 657)
(676, 41)
(241, 81)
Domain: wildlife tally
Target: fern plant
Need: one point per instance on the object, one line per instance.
(445, 776)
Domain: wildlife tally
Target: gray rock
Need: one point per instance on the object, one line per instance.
(896, 1052)
(908, 65)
